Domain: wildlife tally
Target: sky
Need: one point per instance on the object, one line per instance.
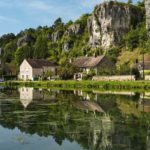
(17, 15)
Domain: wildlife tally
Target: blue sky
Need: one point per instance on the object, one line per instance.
(16, 15)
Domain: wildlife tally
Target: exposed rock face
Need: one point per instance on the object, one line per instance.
(67, 46)
(147, 7)
(57, 36)
(74, 29)
(0, 50)
(24, 40)
(110, 21)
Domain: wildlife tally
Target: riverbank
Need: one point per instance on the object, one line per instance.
(114, 85)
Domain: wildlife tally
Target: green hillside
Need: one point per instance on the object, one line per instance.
(63, 41)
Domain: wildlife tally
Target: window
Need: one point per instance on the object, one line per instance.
(27, 77)
(22, 76)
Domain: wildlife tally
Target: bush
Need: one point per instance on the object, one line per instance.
(67, 71)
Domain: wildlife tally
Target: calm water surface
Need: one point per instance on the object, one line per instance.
(73, 120)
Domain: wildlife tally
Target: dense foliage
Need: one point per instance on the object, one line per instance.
(62, 41)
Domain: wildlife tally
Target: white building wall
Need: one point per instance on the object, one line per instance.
(25, 71)
(29, 73)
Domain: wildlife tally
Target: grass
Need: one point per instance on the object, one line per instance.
(71, 84)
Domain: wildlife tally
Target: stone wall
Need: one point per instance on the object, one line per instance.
(114, 78)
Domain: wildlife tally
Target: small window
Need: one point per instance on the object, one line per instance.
(22, 76)
(27, 77)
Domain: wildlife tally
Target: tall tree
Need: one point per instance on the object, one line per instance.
(22, 53)
(8, 53)
(41, 48)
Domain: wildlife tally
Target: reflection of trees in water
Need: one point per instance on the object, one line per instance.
(56, 115)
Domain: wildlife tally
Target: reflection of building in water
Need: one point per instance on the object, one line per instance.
(115, 93)
(86, 95)
(144, 102)
(28, 94)
(88, 106)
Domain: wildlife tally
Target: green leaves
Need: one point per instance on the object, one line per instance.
(67, 70)
(22, 53)
(41, 48)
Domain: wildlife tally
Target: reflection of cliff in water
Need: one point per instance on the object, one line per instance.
(64, 115)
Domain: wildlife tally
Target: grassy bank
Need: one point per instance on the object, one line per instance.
(114, 85)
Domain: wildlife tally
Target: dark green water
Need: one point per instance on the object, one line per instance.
(33, 119)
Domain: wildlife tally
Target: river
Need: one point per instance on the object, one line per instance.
(50, 119)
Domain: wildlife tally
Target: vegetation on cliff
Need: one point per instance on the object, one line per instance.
(63, 41)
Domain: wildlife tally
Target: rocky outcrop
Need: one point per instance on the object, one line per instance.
(74, 29)
(110, 21)
(147, 7)
(57, 36)
(24, 40)
(67, 46)
(0, 50)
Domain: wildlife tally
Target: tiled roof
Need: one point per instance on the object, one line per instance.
(85, 62)
(39, 63)
(86, 105)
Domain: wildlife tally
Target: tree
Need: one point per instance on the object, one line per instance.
(57, 21)
(58, 24)
(22, 53)
(48, 74)
(140, 3)
(136, 37)
(129, 2)
(9, 49)
(6, 38)
(41, 48)
(67, 70)
(69, 23)
(82, 20)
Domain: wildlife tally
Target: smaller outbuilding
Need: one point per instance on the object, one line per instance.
(32, 69)
(98, 65)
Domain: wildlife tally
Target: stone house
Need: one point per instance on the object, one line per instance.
(30, 69)
(100, 65)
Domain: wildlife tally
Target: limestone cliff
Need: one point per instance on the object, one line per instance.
(74, 29)
(110, 21)
(24, 40)
(147, 7)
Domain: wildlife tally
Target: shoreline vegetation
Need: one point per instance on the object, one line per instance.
(87, 84)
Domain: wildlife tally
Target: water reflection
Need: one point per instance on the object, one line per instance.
(28, 94)
(144, 102)
(87, 120)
